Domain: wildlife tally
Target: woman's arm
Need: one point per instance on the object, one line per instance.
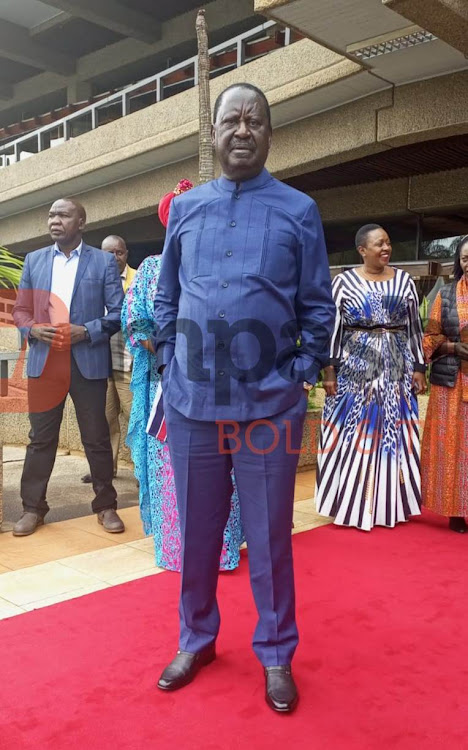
(137, 310)
(434, 337)
(329, 372)
(415, 333)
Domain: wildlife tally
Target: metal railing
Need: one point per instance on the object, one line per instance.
(137, 96)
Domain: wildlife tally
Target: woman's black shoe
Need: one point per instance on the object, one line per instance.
(458, 524)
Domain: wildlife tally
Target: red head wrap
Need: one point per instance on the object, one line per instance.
(165, 202)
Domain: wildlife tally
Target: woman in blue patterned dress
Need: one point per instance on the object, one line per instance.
(368, 466)
(153, 469)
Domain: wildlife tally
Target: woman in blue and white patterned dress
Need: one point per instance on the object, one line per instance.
(369, 463)
(151, 459)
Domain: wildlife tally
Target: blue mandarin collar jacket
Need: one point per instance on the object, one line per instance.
(244, 278)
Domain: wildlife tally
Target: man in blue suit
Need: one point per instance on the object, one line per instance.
(244, 278)
(68, 306)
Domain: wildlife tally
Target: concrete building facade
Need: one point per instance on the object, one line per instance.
(369, 101)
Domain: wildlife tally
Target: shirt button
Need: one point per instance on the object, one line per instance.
(222, 314)
(221, 345)
(232, 223)
(228, 253)
(225, 284)
(221, 372)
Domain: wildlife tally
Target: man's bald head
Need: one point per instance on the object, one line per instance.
(117, 246)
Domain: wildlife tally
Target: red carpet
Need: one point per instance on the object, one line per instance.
(382, 662)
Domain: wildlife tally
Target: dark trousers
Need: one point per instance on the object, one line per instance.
(264, 456)
(46, 396)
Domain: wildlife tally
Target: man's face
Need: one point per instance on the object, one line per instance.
(65, 223)
(117, 248)
(241, 135)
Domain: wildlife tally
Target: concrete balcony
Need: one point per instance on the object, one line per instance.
(116, 164)
(327, 109)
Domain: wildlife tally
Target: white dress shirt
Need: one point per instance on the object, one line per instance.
(63, 282)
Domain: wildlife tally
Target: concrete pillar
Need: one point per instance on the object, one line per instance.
(78, 91)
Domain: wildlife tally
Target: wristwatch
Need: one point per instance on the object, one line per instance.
(307, 386)
(86, 334)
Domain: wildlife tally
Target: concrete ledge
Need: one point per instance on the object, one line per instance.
(156, 136)
(263, 6)
(436, 108)
(446, 19)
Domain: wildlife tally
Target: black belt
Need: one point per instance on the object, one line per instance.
(376, 328)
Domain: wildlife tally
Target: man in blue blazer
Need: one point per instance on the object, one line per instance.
(68, 307)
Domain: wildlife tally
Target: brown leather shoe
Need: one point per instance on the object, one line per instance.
(111, 521)
(185, 667)
(27, 524)
(280, 689)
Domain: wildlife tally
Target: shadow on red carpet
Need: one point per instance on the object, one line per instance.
(381, 663)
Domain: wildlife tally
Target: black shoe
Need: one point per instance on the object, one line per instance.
(457, 523)
(280, 689)
(87, 479)
(185, 667)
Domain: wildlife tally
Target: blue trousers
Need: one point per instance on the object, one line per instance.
(264, 456)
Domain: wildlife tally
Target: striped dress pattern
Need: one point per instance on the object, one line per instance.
(368, 469)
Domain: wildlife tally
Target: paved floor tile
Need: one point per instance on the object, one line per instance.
(108, 564)
(7, 609)
(302, 518)
(312, 525)
(304, 478)
(22, 587)
(145, 545)
(50, 542)
(303, 492)
(130, 517)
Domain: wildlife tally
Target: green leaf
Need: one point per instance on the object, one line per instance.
(11, 267)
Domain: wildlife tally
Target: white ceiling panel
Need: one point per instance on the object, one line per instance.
(27, 13)
(424, 61)
(341, 22)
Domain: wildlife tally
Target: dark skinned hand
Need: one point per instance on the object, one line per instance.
(329, 381)
(419, 383)
(461, 350)
(148, 345)
(59, 337)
